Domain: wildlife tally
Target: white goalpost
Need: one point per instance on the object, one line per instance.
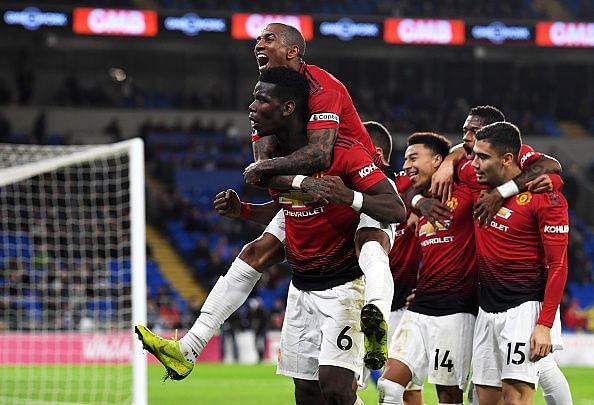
(72, 274)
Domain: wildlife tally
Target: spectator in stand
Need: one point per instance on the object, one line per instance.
(259, 318)
(169, 314)
(574, 318)
(277, 315)
(113, 129)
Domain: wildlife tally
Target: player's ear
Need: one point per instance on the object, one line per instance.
(436, 160)
(508, 159)
(292, 52)
(379, 151)
(288, 108)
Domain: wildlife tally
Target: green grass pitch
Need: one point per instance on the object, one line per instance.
(208, 384)
(259, 385)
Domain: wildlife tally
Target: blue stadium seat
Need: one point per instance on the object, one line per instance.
(102, 308)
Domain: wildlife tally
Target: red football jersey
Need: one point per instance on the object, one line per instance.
(320, 238)
(448, 278)
(511, 252)
(331, 106)
(467, 176)
(404, 264)
(404, 255)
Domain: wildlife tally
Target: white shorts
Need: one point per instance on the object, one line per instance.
(437, 347)
(322, 328)
(502, 345)
(276, 227)
(393, 322)
(365, 221)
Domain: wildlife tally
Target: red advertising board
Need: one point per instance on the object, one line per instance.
(565, 34)
(423, 31)
(249, 26)
(102, 21)
(81, 348)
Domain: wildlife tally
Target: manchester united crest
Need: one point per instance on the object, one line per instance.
(452, 203)
(524, 198)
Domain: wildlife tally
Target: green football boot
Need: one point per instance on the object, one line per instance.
(375, 329)
(167, 351)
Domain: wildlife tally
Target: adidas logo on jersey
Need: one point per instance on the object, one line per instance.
(556, 229)
(367, 170)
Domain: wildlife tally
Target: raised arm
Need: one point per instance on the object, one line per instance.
(443, 179)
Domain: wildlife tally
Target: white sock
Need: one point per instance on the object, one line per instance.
(555, 388)
(390, 392)
(379, 284)
(228, 294)
(358, 401)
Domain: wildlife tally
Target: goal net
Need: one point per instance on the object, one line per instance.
(72, 274)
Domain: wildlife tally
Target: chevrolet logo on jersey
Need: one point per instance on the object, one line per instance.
(429, 230)
(296, 198)
(504, 213)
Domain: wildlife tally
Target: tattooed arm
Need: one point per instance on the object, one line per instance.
(543, 165)
(314, 157)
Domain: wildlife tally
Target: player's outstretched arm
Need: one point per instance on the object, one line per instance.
(380, 201)
(228, 204)
(314, 157)
(489, 203)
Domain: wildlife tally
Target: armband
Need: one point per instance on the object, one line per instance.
(508, 189)
(357, 201)
(297, 180)
(415, 200)
(245, 210)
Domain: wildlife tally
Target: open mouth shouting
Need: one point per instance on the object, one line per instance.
(262, 61)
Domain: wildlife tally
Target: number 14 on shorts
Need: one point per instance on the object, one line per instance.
(446, 362)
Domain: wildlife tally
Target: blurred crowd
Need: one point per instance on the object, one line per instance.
(396, 8)
(516, 9)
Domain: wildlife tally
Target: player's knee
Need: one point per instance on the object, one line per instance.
(414, 397)
(513, 395)
(307, 392)
(390, 392)
(336, 393)
(449, 394)
(263, 252)
(365, 235)
(336, 385)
